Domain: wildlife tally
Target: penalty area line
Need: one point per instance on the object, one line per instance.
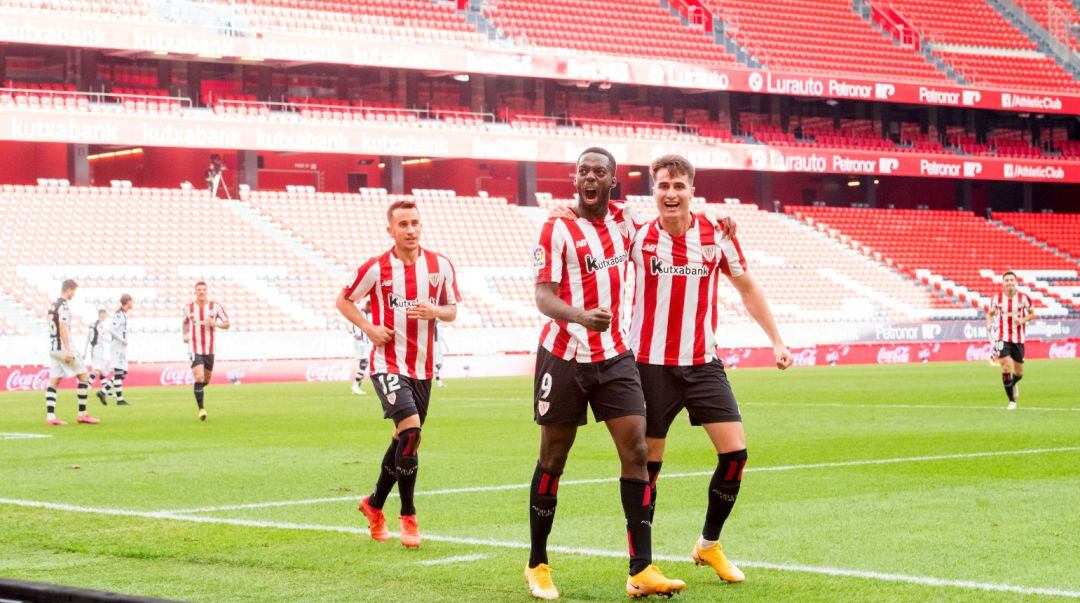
(605, 480)
(587, 552)
(8, 435)
(456, 559)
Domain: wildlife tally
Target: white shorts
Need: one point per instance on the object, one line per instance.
(58, 369)
(438, 356)
(362, 351)
(119, 360)
(97, 361)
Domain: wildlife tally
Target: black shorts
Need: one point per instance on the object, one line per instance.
(1012, 350)
(703, 390)
(563, 390)
(204, 360)
(401, 396)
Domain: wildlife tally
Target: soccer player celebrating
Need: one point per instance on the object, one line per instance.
(679, 258)
(584, 361)
(409, 289)
(114, 387)
(64, 360)
(202, 319)
(362, 349)
(1011, 311)
(95, 344)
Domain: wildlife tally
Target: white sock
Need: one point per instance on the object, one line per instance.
(83, 413)
(50, 415)
(704, 544)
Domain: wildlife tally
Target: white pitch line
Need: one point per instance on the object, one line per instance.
(604, 480)
(457, 559)
(588, 552)
(910, 406)
(7, 435)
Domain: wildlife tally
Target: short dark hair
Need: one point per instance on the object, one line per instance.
(396, 205)
(125, 298)
(68, 285)
(600, 151)
(676, 165)
(1007, 273)
(203, 283)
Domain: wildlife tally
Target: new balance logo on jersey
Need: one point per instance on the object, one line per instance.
(649, 247)
(387, 284)
(581, 244)
(658, 267)
(592, 264)
(398, 301)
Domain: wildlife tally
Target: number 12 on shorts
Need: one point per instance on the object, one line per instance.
(390, 383)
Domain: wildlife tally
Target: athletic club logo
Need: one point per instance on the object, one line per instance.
(391, 398)
(543, 407)
(708, 252)
(435, 279)
(624, 228)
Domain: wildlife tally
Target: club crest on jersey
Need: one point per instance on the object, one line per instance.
(435, 279)
(543, 407)
(624, 228)
(593, 264)
(708, 252)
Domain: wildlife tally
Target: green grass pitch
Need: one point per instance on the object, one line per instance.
(973, 502)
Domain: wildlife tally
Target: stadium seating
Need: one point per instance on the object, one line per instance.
(1058, 230)
(158, 241)
(1054, 15)
(979, 43)
(956, 252)
(640, 28)
(820, 36)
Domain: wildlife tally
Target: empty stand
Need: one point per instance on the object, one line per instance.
(956, 252)
(818, 36)
(640, 28)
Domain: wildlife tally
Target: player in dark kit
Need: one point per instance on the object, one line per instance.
(409, 288)
(584, 361)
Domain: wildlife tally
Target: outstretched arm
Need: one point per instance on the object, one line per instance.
(753, 299)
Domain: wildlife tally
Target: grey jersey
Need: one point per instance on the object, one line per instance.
(59, 314)
(118, 330)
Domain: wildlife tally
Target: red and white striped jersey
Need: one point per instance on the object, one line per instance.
(393, 286)
(674, 319)
(1010, 311)
(588, 261)
(200, 325)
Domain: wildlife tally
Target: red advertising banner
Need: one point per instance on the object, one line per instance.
(32, 378)
(291, 133)
(39, 27)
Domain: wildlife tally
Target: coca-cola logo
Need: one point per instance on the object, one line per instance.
(1063, 350)
(338, 371)
(19, 381)
(177, 375)
(806, 357)
(977, 352)
(897, 355)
